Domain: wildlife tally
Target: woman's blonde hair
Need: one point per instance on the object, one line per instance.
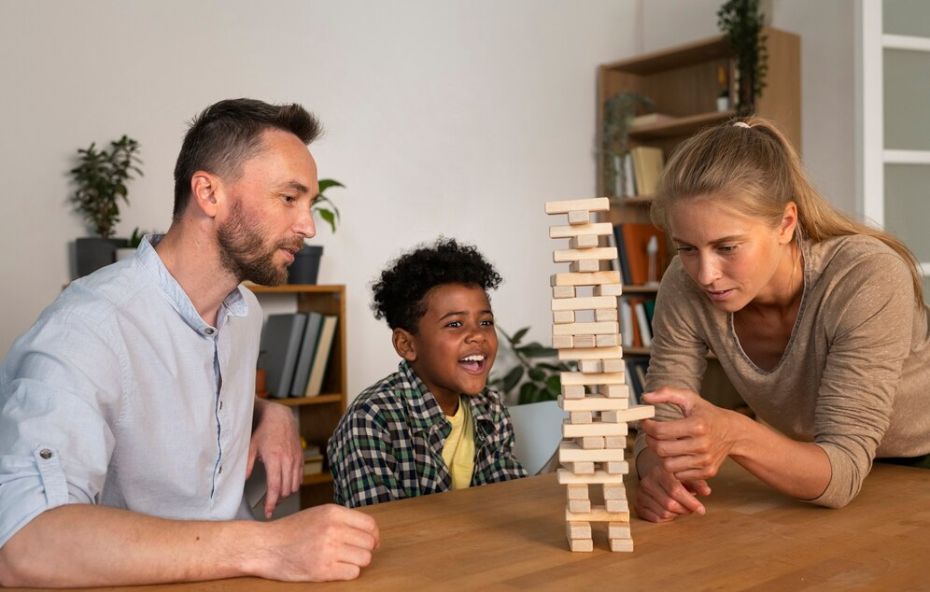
(753, 166)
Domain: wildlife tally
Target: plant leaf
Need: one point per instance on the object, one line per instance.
(519, 335)
(512, 378)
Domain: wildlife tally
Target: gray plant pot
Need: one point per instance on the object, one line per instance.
(95, 252)
(306, 266)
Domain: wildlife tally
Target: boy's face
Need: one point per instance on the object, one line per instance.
(456, 344)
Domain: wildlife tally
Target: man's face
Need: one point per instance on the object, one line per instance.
(268, 212)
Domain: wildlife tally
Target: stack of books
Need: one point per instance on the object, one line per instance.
(295, 352)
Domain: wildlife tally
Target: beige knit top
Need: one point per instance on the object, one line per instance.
(854, 378)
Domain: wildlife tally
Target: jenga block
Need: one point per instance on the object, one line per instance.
(612, 491)
(584, 341)
(584, 266)
(590, 366)
(563, 292)
(614, 289)
(593, 229)
(567, 477)
(619, 414)
(570, 430)
(581, 467)
(597, 514)
(607, 340)
(573, 391)
(580, 417)
(569, 452)
(596, 253)
(576, 217)
(615, 391)
(562, 317)
(579, 506)
(584, 241)
(594, 204)
(591, 442)
(614, 365)
(606, 314)
(583, 303)
(620, 545)
(578, 530)
(615, 530)
(577, 492)
(584, 279)
(615, 505)
(596, 403)
(615, 441)
(593, 353)
(561, 342)
(617, 467)
(581, 545)
(602, 378)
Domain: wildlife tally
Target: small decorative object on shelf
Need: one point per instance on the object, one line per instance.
(723, 97)
(306, 266)
(741, 23)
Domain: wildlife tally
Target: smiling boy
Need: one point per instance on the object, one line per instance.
(433, 425)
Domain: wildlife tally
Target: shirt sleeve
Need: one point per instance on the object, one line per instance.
(58, 388)
(497, 462)
(870, 321)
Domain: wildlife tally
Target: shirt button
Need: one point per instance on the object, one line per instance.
(220, 472)
(46, 453)
(209, 330)
(221, 405)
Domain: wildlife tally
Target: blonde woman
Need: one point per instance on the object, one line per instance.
(818, 321)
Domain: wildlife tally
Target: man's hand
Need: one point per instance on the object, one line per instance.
(319, 544)
(276, 443)
(694, 447)
(661, 497)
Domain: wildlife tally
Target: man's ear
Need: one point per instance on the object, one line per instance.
(204, 189)
(404, 345)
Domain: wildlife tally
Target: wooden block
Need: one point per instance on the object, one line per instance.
(579, 506)
(596, 403)
(577, 492)
(584, 241)
(593, 353)
(615, 289)
(566, 477)
(615, 391)
(614, 505)
(561, 342)
(578, 530)
(580, 417)
(612, 491)
(615, 441)
(614, 365)
(561, 317)
(581, 545)
(584, 279)
(576, 217)
(573, 391)
(585, 266)
(597, 514)
(581, 467)
(621, 545)
(584, 341)
(594, 204)
(606, 314)
(584, 303)
(593, 229)
(619, 414)
(602, 378)
(607, 340)
(596, 253)
(590, 366)
(591, 442)
(617, 467)
(563, 292)
(570, 430)
(569, 452)
(615, 530)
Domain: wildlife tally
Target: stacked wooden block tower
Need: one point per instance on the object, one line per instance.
(597, 398)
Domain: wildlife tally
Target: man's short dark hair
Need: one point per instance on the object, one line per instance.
(399, 292)
(228, 133)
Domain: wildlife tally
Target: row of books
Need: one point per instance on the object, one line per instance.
(643, 253)
(642, 167)
(295, 352)
(636, 369)
(636, 321)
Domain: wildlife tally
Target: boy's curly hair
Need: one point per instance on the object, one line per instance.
(399, 293)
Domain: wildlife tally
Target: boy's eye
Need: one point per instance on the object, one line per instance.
(454, 324)
(487, 323)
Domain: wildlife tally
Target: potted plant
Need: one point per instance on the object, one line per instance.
(741, 22)
(135, 239)
(536, 372)
(101, 177)
(619, 111)
(306, 265)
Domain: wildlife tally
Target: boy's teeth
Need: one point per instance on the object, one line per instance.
(475, 358)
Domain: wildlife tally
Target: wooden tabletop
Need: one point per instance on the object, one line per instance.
(511, 536)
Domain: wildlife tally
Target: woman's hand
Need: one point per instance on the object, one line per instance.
(694, 447)
(661, 497)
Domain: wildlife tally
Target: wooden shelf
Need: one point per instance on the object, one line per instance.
(293, 288)
(317, 478)
(632, 200)
(318, 400)
(636, 351)
(640, 289)
(680, 126)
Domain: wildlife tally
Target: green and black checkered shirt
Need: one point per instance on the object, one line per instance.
(389, 443)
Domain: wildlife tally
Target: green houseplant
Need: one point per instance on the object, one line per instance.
(619, 111)
(741, 22)
(536, 372)
(101, 178)
(306, 266)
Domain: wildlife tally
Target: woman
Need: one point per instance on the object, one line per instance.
(818, 322)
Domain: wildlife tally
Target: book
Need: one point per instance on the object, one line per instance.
(305, 357)
(626, 323)
(321, 355)
(623, 262)
(635, 251)
(647, 168)
(281, 342)
(629, 188)
(642, 323)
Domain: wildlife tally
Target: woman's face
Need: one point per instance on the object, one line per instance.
(735, 259)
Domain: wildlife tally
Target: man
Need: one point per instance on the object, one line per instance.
(125, 411)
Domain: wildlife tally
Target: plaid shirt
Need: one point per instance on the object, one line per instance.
(389, 443)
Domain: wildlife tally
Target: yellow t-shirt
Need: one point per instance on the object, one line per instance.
(459, 448)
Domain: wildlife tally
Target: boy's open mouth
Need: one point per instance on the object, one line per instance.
(473, 363)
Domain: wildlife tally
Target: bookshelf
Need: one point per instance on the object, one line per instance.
(683, 84)
(318, 415)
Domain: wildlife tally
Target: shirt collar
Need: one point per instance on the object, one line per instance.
(425, 412)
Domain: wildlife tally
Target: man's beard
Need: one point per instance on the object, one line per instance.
(241, 250)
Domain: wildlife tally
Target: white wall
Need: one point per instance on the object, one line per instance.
(444, 117)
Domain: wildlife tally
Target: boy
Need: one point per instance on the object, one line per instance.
(433, 425)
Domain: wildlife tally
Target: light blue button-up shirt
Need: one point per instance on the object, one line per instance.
(122, 395)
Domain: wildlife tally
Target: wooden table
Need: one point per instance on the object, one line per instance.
(511, 536)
